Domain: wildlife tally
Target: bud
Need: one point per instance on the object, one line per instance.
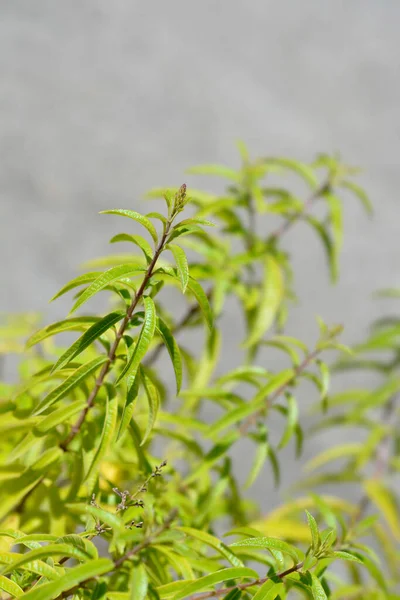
(180, 199)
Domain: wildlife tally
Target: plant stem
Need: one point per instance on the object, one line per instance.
(279, 232)
(286, 225)
(251, 420)
(111, 355)
(381, 462)
(244, 586)
(119, 562)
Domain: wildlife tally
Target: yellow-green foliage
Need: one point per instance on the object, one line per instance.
(113, 485)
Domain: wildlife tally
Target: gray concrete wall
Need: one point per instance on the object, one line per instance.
(102, 100)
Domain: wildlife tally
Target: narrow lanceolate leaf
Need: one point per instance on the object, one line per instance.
(110, 519)
(385, 501)
(104, 280)
(181, 264)
(318, 591)
(214, 578)
(6, 585)
(81, 280)
(38, 567)
(214, 543)
(202, 299)
(138, 240)
(94, 332)
(138, 583)
(107, 435)
(136, 217)
(259, 461)
(315, 537)
(336, 452)
(336, 218)
(74, 324)
(360, 193)
(73, 577)
(270, 300)
(144, 340)
(329, 246)
(218, 170)
(269, 590)
(269, 543)
(305, 171)
(72, 382)
(57, 417)
(345, 556)
(45, 552)
(153, 399)
(291, 420)
(132, 384)
(173, 350)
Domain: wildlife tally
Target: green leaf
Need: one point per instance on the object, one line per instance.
(269, 590)
(270, 299)
(61, 415)
(138, 583)
(181, 264)
(35, 566)
(144, 340)
(132, 392)
(384, 500)
(74, 324)
(342, 451)
(336, 218)
(214, 578)
(73, 381)
(306, 172)
(104, 516)
(153, 399)
(195, 221)
(138, 240)
(218, 170)
(318, 591)
(81, 543)
(136, 217)
(173, 350)
(45, 552)
(248, 408)
(107, 435)
(259, 461)
(10, 587)
(81, 280)
(104, 280)
(212, 542)
(269, 543)
(327, 243)
(291, 420)
(360, 193)
(73, 577)
(315, 537)
(198, 292)
(345, 556)
(94, 332)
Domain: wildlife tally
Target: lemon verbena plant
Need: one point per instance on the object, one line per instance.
(120, 482)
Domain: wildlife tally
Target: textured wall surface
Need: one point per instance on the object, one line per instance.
(101, 100)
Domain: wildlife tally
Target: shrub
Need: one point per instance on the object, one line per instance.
(116, 484)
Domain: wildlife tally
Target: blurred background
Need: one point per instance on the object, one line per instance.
(101, 101)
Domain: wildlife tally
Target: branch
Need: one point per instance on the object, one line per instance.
(251, 420)
(244, 586)
(286, 225)
(111, 355)
(119, 562)
(382, 459)
(194, 309)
